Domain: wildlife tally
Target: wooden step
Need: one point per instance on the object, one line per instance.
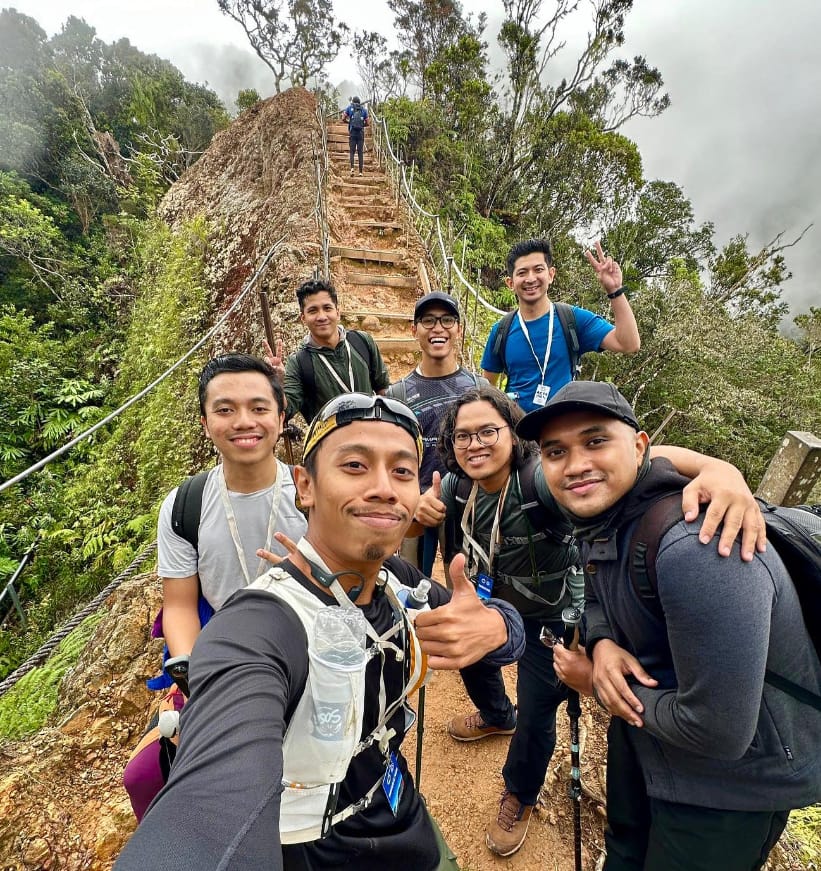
(376, 280)
(342, 139)
(393, 317)
(364, 184)
(395, 345)
(369, 255)
(379, 197)
(375, 208)
(379, 226)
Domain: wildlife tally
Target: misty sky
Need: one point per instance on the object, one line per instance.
(742, 137)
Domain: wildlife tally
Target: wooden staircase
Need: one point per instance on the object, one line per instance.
(375, 252)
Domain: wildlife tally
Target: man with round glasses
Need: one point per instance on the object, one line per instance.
(428, 390)
(250, 787)
(520, 549)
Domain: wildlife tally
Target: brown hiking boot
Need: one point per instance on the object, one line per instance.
(507, 832)
(472, 728)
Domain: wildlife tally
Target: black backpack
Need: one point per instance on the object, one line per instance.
(567, 319)
(795, 533)
(357, 120)
(541, 520)
(305, 362)
(187, 508)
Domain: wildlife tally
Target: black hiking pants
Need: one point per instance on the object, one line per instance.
(356, 144)
(538, 694)
(648, 834)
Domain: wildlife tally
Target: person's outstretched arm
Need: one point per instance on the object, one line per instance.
(220, 807)
(731, 502)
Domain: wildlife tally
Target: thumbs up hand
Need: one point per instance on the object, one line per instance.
(462, 631)
(431, 510)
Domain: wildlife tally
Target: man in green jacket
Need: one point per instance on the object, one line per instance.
(331, 360)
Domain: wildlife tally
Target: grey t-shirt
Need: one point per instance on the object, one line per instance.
(216, 562)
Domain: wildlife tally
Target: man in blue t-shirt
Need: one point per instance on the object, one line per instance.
(535, 355)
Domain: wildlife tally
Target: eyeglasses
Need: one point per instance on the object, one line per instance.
(345, 409)
(430, 321)
(487, 436)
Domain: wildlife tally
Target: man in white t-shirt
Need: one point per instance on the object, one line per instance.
(248, 497)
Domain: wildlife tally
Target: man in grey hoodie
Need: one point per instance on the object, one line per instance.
(724, 755)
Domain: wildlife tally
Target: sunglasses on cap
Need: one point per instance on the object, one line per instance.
(350, 407)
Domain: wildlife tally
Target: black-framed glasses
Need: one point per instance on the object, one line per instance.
(487, 436)
(348, 407)
(430, 321)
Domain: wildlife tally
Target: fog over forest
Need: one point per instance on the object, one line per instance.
(741, 136)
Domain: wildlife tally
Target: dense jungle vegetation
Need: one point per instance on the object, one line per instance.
(97, 297)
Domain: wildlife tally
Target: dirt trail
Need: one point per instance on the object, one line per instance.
(375, 252)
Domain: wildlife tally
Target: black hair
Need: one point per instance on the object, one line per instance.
(529, 246)
(312, 286)
(239, 363)
(508, 411)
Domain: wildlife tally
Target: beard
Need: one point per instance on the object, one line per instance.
(374, 552)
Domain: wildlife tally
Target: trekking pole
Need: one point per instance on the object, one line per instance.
(571, 618)
(269, 335)
(420, 731)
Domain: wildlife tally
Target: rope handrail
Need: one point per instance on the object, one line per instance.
(412, 201)
(138, 396)
(43, 653)
(321, 192)
(9, 587)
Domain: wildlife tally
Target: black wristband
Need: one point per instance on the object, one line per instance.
(616, 293)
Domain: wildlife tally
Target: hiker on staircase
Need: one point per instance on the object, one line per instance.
(708, 748)
(356, 117)
(331, 360)
(211, 527)
(539, 344)
(428, 391)
(520, 548)
(291, 755)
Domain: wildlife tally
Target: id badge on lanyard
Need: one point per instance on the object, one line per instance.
(541, 394)
(542, 390)
(393, 784)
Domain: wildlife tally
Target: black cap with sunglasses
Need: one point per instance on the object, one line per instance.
(436, 298)
(349, 407)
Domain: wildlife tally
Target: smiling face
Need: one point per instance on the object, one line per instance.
(320, 314)
(361, 494)
(489, 465)
(531, 280)
(437, 342)
(590, 460)
(242, 418)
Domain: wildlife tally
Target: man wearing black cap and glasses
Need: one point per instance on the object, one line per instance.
(266, 776)
(428, 391)
(706, 753)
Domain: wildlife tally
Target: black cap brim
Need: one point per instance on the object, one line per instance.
(531, 425)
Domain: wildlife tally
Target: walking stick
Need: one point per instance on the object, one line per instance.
(269, 335)
(571, 618)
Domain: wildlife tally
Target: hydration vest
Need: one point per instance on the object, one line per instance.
(310, 791)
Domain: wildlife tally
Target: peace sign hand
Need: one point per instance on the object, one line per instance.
(274, 360)
(608, 271)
